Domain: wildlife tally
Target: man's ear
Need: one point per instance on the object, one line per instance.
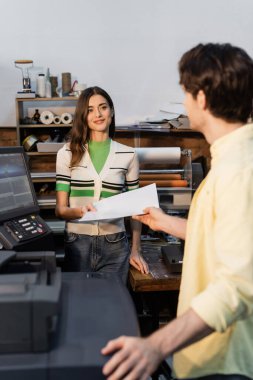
(201, 99)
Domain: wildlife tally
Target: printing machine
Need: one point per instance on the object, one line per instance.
(176, 178)
(175, 175)
(51, 325)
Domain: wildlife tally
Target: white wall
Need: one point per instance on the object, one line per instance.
(128, 47)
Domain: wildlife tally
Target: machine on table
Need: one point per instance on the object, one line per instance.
(21, 227)
(176, 178)
(51, 322)
(175, 175)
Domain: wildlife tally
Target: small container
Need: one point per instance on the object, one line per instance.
(41, 86)
(54, 85)
(36, 116)
(48, 87)
(66, 84)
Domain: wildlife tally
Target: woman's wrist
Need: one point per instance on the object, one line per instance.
(80, 212)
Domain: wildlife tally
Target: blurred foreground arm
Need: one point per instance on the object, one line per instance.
(138, 358)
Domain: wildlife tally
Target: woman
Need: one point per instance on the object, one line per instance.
(91, 167)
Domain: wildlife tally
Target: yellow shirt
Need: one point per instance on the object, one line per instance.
(217, 278)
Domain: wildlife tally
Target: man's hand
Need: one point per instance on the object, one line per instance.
(157, 220)
(135, 359)
(152, 217)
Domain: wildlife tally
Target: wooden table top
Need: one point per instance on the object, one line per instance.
(159, 279)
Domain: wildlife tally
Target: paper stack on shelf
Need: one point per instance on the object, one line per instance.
(182, 122)
(176, 115)
(154, 124)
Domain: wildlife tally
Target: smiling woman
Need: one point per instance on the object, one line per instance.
(91, 167)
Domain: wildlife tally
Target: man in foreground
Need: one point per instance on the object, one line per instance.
(212, 336)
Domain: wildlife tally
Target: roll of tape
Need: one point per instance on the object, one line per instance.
(30, 142)
(66, 118)
(57, 119)
(47, 117)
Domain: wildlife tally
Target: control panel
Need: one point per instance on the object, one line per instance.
(26, 233)
(25, 228)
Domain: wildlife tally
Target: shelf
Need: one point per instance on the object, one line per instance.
(154, 129)
(55, 99)
(43, 177)
(45, 125)
(25, 110)
(46, 201)
(8, 127)
(41, 153)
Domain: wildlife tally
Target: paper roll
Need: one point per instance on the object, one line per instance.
(47, 117)
(159, 177)
(66, 118)
(57, 119)
(159, 155)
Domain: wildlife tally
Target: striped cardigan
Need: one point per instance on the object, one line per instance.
(85, 185)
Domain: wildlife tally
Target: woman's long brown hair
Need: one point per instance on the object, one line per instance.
(79, 135)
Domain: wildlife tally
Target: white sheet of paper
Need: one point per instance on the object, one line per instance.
(124, 204)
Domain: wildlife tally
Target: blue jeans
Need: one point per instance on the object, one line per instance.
(106, 254)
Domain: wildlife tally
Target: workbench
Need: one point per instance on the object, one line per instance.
(150, 290)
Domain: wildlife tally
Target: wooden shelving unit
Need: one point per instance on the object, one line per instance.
(42, 164)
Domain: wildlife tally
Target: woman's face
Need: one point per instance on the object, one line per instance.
(99, 117)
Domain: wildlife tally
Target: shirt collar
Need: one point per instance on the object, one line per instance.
(230, 142)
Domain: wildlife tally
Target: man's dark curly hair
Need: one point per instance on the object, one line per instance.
(225, 74)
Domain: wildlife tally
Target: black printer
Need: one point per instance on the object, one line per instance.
(53, 325)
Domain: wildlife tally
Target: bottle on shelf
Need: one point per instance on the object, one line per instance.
(48, 87)
(41, 85)
(36, 116)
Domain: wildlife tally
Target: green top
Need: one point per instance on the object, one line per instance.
(99, 151)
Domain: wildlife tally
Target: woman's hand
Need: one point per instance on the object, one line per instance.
(138, 262)
(65, 212)
(88, 207)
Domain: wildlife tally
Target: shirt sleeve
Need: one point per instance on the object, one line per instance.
(63, 172)
(229, 296)
(132, 174)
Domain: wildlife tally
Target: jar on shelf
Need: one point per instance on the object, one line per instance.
(41, 86)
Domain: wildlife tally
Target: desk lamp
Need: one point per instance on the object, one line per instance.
(24, 65)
